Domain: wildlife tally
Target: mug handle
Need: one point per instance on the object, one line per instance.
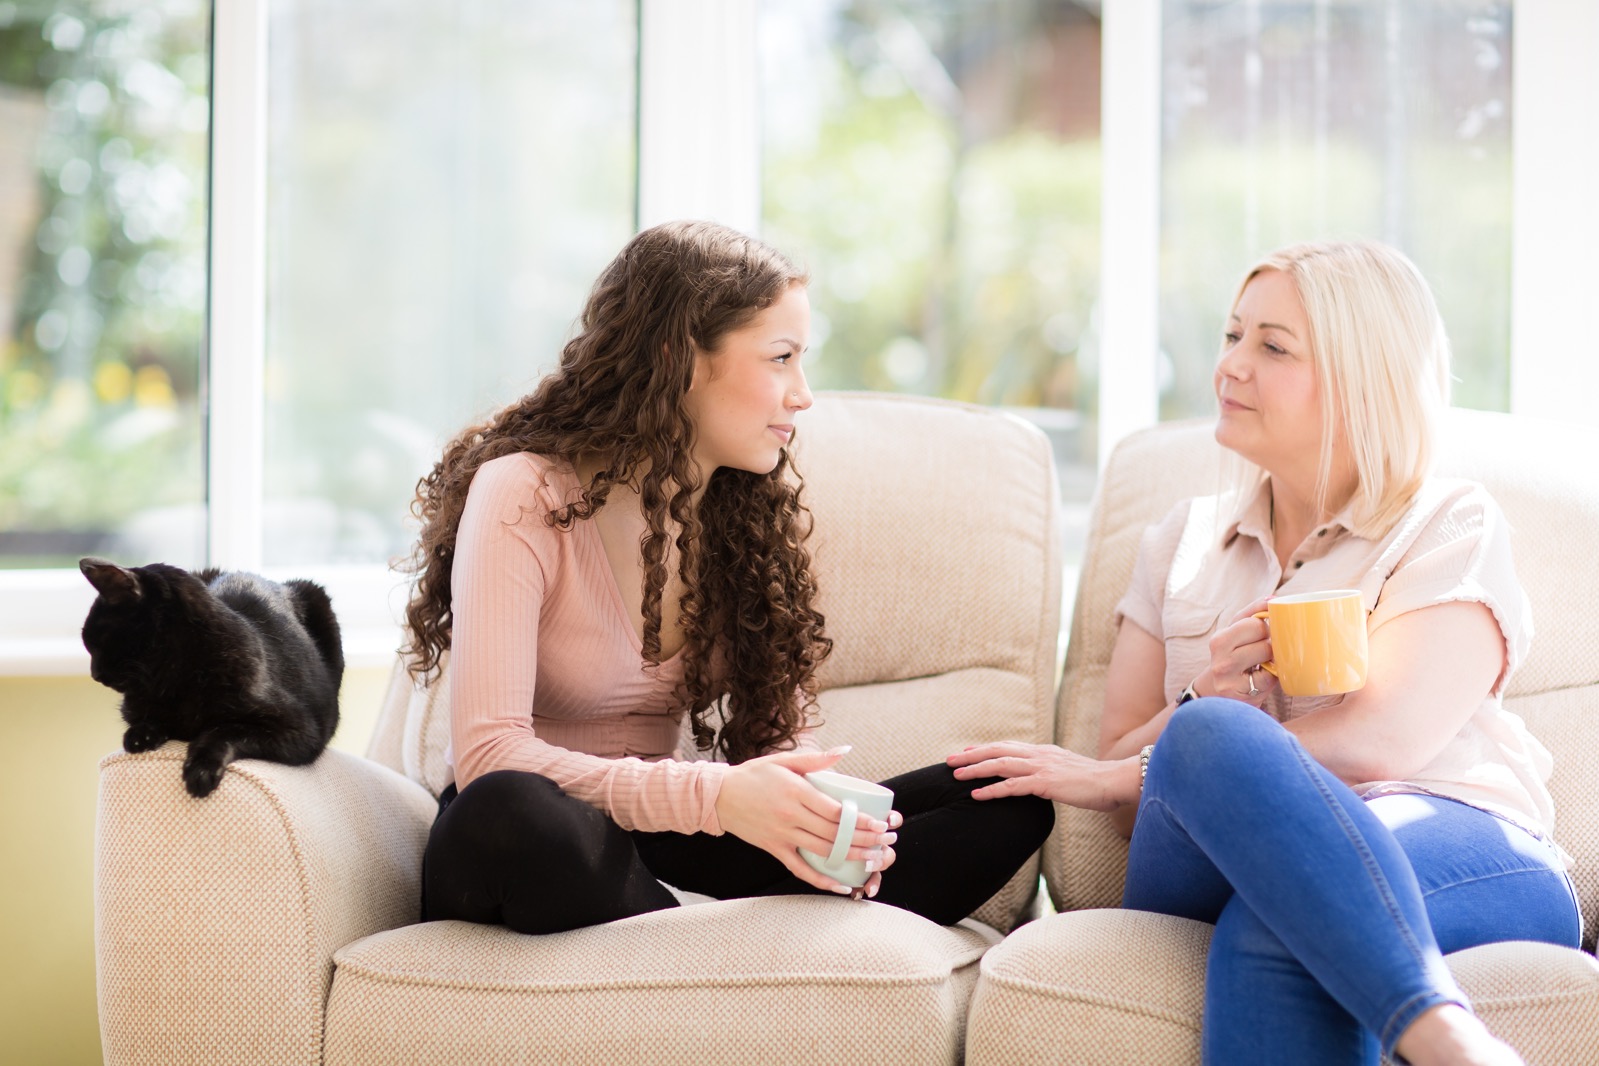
(1270, 669)
(846, 833)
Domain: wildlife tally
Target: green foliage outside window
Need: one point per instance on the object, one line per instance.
(953, 238)
(102, 269)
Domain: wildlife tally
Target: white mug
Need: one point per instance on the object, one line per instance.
(858, 797)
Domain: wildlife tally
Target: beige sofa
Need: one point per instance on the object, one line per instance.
(276, 921)
(1103, 986)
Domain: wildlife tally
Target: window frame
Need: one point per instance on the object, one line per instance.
(699, 156)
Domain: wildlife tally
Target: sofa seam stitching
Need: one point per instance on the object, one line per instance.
(1084, 995)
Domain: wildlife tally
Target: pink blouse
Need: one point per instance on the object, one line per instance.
(546, 669)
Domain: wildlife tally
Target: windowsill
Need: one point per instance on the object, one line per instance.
(44, 612)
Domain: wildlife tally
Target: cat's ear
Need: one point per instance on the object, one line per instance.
(115, 583)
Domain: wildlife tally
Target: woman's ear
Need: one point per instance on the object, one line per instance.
(703, 370)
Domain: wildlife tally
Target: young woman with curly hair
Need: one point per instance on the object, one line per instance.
(621, 550)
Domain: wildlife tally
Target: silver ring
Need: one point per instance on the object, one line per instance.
(1253, 691)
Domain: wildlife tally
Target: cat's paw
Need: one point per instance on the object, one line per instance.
(202, 773)
(143, 737)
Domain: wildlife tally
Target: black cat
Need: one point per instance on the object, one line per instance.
(238, 666)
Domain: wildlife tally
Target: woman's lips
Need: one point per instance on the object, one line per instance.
(783, 432)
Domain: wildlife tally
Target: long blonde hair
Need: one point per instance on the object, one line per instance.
(1382, 356)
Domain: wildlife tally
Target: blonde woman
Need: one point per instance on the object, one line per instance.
(1341, 845)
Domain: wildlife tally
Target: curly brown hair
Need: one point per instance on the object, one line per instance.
(753, 637)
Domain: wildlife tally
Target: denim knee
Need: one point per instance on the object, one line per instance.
(1207, 732)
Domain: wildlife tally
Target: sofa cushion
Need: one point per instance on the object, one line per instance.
(793, 979)
(1091, 988)
(1542, 999)
(1110, 986)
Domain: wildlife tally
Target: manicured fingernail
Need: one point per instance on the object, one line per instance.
(895, 819)
(876, 826)
(871, 893)
(843, 890)
(889, 838)
(871, 866)
(842, 749)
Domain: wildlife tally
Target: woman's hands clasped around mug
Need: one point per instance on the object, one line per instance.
(767, 802)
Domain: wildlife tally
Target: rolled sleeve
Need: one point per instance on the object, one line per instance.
(1463, 554)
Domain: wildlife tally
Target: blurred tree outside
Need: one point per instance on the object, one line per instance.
(1291, 120)
(103, 159)
(936, 166)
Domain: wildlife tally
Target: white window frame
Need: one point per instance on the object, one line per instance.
(699, 156)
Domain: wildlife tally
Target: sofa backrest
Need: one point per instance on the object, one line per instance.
(1543, 476)
(937, 553)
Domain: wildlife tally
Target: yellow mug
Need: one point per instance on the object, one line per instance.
(1318, 642)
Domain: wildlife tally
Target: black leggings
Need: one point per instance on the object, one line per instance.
(513, 849)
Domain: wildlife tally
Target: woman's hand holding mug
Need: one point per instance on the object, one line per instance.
(770, 803)
(1318, 642)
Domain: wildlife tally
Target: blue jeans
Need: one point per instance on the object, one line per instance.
(1332, 915)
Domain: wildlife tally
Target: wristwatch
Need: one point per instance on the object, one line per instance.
(1186, 695)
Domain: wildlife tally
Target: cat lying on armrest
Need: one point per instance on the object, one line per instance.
(238, 666)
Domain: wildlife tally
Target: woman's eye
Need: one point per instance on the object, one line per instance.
(1230, 339)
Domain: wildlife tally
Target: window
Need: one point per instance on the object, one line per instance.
(1284, 122)
(444, 183)
(936, 165)
(103, 160)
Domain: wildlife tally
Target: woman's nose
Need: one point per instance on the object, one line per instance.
(1230, 363)
(800, 398)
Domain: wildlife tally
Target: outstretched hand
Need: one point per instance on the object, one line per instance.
(1049, 771)
(768, 802)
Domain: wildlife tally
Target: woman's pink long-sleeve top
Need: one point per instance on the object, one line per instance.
(546, 668)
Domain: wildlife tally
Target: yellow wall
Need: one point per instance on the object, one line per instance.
(53, 733)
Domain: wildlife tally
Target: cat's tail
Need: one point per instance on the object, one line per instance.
(315, 610)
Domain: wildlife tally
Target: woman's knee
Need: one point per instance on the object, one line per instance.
(933, 787)
(516, 810)
(1034, 816)
(1211, 740)
(1210, 728)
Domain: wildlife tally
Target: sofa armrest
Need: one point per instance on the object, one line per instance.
(216, 919)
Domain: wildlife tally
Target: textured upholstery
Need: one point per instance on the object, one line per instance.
(1062, 974)
(736, 982)
(937, 553)
(216, 920)
(1091, 988)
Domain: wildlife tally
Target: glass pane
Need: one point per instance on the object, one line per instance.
(446, 181)
(936, 165)
(104, 106)
(1288, 121)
